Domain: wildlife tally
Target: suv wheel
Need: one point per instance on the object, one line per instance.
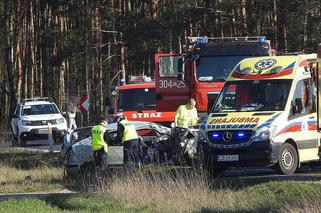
(22, 142)
(14, 141)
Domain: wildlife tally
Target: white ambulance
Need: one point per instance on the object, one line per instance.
(264, 116)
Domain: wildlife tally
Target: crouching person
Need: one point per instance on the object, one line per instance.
(100, 138)
(126, 133)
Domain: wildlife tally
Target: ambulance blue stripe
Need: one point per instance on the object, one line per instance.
(312, 122)
(290, 66)
(269, 121)
(238, 68)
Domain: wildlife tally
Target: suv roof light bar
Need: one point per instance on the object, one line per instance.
(24, 100)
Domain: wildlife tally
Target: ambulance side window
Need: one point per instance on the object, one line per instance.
(304, 91)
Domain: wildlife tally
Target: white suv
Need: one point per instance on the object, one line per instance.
(31, 119)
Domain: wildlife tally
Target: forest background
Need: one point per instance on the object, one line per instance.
(65, 49)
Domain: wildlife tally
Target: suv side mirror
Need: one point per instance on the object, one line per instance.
(298, 106)
(15, 116)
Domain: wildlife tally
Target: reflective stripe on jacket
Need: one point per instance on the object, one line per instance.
(129, 131)
(97, 135)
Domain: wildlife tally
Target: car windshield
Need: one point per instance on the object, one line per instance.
(253, 95)
(137, 99)
(216, 68)
(39, 109)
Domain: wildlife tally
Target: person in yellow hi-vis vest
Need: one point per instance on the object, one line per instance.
(186, 115)
(126, 133)
(100, 138)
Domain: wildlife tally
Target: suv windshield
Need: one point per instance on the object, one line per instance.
(137, 99)
(39, 109)
(216, 68)
(254, 95)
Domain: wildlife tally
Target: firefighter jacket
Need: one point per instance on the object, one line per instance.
(185, 117)
(98, 138)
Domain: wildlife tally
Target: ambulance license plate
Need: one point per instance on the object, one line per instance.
(228, 158)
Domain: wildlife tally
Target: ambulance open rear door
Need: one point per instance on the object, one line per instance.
(318, 81)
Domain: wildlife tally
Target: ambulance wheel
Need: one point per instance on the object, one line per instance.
(288, 160)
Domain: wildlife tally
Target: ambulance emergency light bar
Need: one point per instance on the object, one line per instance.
(274, 70)
(204, 39)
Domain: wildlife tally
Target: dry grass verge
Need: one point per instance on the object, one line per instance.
(190, 192)
(177, 191)
(26, 171)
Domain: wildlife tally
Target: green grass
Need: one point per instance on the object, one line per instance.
(266, 197)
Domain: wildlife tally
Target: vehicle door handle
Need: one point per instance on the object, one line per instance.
(312, 117)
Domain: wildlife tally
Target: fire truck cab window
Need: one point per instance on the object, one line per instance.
(168, 66)
(137, 99)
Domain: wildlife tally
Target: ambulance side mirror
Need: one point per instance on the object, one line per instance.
(298, 106)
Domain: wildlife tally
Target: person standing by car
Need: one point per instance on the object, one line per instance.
(126, 133)
(100, 138)
(186, 115)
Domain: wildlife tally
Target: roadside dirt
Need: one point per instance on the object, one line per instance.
(36, 194)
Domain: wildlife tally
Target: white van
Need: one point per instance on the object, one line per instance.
(264, 116)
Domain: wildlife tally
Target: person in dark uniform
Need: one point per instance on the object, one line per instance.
(126, 133)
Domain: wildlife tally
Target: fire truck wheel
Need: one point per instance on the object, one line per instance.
(288, 160)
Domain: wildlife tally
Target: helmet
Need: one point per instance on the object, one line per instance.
(104, 118)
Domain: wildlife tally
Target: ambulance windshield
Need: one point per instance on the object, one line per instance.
(137, 99)
(254, 95)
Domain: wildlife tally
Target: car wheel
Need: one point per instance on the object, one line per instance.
(88, 174)
(288, 160)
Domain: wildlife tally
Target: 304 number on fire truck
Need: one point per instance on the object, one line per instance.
(171, 84)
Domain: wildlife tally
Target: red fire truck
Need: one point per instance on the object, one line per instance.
(136, 100)
(201, 70)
